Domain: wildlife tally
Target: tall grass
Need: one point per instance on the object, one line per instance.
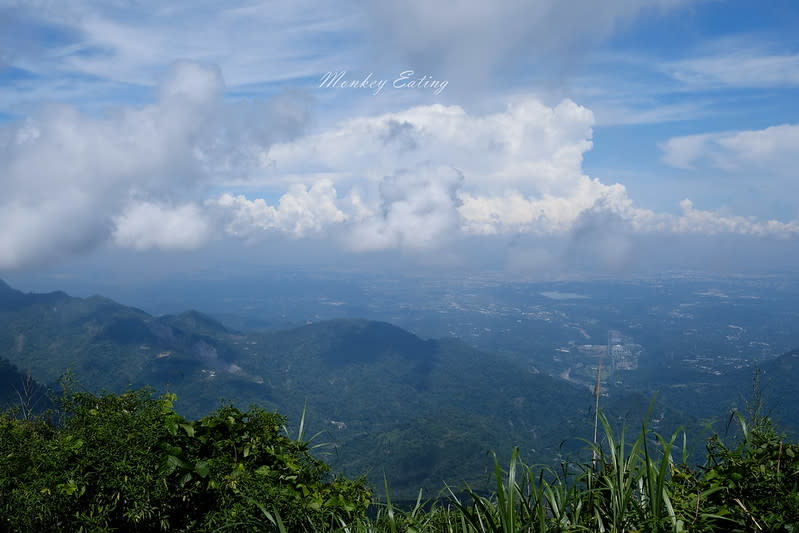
(623, 489)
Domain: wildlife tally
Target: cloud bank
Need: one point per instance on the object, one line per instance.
(187, 169)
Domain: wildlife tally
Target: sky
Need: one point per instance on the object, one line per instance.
(532, 137)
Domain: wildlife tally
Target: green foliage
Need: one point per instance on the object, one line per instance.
(749, 487)
(129, 462)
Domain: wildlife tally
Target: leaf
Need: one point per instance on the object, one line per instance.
(171, 426)
(201, 468)
(173, 463)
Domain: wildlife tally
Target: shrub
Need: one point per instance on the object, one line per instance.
(129, 462)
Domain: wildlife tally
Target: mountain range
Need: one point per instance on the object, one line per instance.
(386, 402)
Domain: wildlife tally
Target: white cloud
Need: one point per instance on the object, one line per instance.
(771, 150)
(174, 173)
(529, 146)
(418, 210)
(470, 40)
(741, 69)
(131, 43)
(300, 212)
(68, 179)
(695, 221)
(614, 113)
(547, 213)
(192, 84)
(683, 152)
(106, 49)
(145, 225)
(774, 147)
(432, 174)
(415, 179)
(710, 223)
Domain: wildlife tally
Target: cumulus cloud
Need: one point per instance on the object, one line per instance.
(547, 213)
(71, 181)
(430, 175)
(712, 223)
(300, 212)
(416, 209)
(696, 221)
(416, 177)
(529, 146)
(419, 209)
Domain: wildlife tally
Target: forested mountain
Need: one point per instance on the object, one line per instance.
(104, 343)
(423, 412)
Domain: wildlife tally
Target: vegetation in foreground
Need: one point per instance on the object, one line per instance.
(130, 463)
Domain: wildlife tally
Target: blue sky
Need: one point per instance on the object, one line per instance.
(160, 131)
